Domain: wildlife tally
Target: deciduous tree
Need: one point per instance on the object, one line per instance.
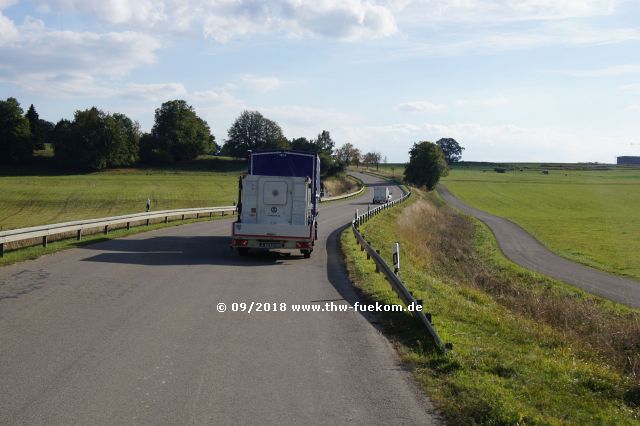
(426, 165)
(16, 144)
(178, 134)
(451, 149)
(251, 131)
(95, 140)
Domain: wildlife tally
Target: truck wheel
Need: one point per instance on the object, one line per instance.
(306, 254)
(243, 251)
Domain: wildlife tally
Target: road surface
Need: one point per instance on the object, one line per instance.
(522, 248)
(127, 332)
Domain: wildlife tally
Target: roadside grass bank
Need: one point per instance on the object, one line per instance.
(339, 185)
(526, 349)
(588, 214)
(35, 251)
(38, 195)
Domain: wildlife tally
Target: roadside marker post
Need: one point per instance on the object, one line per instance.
(396, 258)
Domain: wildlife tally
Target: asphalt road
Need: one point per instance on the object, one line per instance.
(522, 248)
(127, 332)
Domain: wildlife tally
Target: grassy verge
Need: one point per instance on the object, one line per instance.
(39, 195)
(588, 215)
(340, 185)
(527, 349)
(33, 252)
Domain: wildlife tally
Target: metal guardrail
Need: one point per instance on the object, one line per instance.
(45, 231)
(396, 283)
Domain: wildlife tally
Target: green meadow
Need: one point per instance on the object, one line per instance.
(587, 214)
(38, 195)
(526, 349)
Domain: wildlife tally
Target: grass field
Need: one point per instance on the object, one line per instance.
(37, 196)
(590, 216)
(526, 349)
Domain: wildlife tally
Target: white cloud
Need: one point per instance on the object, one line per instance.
(139, 12)
(8, 30)
(634, 108)
(493, 102)
(219, 97)
(506, 142)
(41, 59)
(480, 41)
(612, 71)
(154, 92)
(420, 11)
(223, 20)
(416, 106)
(634, 87)
(261, 84)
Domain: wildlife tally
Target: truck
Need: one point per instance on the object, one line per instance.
(278, 202)
(381, 195)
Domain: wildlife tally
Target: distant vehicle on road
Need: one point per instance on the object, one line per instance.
(381, 195)
(278, 202)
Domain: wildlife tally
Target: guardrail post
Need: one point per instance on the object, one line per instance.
(106, 229)
(377, 266)
(128, 225)
(182, 217)
(1, 249)
(79, 234)
(44, 241)
(147, 222)
(197, 215)
(222, 213)
(210, 213)
(166, 219)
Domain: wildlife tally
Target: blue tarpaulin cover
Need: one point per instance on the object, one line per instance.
(288, 163)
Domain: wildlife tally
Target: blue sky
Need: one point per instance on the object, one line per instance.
(511, 80)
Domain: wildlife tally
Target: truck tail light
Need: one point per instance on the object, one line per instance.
(304, 245)
(239, 243)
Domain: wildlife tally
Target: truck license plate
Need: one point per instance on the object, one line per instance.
(271, 245)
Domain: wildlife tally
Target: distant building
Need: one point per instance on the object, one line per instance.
(625, 161)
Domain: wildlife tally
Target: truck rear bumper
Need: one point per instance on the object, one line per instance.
(272, 236)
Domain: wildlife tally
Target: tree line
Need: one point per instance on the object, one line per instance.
(96, 140)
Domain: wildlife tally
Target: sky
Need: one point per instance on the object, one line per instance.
(510, 80)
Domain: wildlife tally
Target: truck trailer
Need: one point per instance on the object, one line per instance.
(278, 202)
